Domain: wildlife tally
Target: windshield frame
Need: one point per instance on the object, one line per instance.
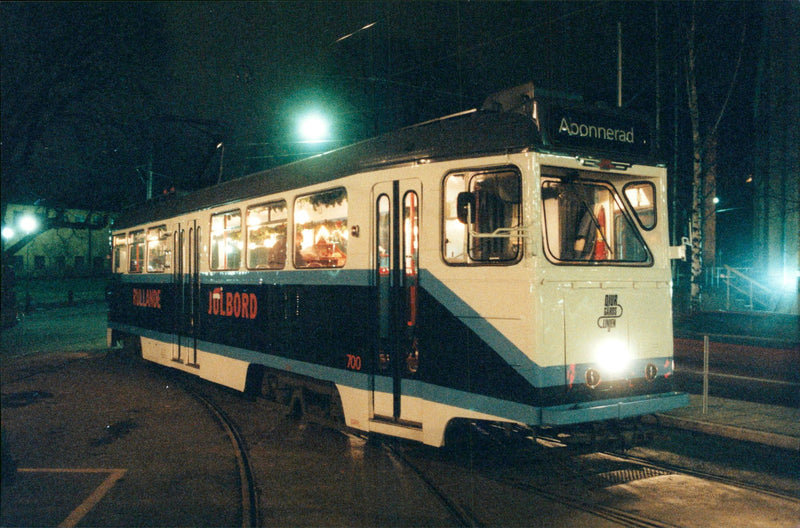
(566, 215)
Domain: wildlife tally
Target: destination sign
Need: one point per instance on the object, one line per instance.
(589, 129)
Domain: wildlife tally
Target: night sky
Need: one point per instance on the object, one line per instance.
(94, 94)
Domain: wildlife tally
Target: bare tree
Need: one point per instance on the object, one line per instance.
(703, 157)
(77, 81)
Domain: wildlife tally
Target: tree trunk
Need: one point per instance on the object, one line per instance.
(696, 234)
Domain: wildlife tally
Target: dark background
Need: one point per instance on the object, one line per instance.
(94, 95)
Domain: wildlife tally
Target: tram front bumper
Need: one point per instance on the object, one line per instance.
(613, 409)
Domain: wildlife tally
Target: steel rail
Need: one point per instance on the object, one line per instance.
(249, 502)
(705, 475)
(606, 512)
(462, 516)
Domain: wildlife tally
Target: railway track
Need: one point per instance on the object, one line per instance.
(616, 487)
(487, 476)
(616, 515)
(249, 498)
(581, 490)
(463, 516)
(705, 475)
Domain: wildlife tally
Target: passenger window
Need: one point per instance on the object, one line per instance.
(226, 240)
(455, 240)
(495, 212)
(157, 249)
(320, 229)
(136, 262)
(641, 197)
(266, 236)
(120, 244)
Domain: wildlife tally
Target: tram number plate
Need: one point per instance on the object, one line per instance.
(353, 362)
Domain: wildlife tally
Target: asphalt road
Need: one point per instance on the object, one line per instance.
(102, 439)
(80, 327)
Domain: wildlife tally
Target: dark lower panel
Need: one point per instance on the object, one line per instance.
(336, 326)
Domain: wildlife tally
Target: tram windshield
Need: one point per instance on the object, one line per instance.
(587, 222)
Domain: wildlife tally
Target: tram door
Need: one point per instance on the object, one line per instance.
(187, 288)
(396, 209)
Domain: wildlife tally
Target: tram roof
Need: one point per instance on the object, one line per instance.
(469, 134)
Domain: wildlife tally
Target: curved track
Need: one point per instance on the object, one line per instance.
(462, 516)
(249, 502)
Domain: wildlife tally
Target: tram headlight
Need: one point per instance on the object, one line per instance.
(612, 356)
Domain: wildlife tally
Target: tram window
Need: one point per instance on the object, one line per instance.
(137, 245)
(498, 205)
(455, 240)
(585, 221)
(157, 249)
(226, 240)
(411, 276)
(641, 198)
(120, 244)
(266, 236)
(320, 229)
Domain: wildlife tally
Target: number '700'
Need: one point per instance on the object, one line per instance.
(353, 362)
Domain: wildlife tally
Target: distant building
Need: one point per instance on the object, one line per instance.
(70, 242)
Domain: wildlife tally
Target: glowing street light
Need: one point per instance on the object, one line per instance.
(8, 233)
(314, 128)
(28, 223)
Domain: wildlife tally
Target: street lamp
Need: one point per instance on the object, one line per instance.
(314, 128)
(28, 223)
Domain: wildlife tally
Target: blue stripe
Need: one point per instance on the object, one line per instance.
(144, 332)
(413, 388)
(619, 408)
(147, 278)
(527, 414)
(315, 277)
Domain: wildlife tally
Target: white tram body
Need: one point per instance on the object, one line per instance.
(511, 266)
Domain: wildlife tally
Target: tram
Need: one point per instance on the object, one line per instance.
(509, 264)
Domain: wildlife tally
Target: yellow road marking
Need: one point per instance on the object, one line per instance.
(91, 501)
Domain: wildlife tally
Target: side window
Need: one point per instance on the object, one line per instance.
(641, 198)
(226, 240)
(266, 236)
(157, 250)
(320, 229)
(495, 210)
(120, 253)
(136, 262)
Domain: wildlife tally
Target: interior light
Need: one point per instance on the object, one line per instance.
(301, 217)
(323, 233)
